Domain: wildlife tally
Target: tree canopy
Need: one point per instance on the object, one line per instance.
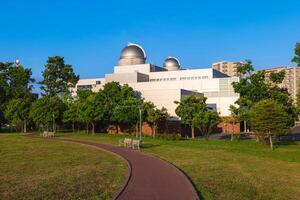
(269, 118)
(296, 58)
(193, 111)
(254, 87)
(58, 77)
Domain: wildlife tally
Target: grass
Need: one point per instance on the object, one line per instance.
(46, 169)
(228, 170)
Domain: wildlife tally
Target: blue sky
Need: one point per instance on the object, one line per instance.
(90, 34)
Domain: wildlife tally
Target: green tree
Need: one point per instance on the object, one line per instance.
(296, 58)
(46, 111)
(234, 118)
(58, 77)
(188, 107)
(269, 118)
(17, 112)
(156, 116)
(254, 87)
(4, 89)
(206, 120)
(20, 81)
(83, 108)
(71, 114)
(112, 95)
(127, 112)
(15, 82)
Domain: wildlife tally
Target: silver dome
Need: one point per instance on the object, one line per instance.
(132, 54)
(172, 64)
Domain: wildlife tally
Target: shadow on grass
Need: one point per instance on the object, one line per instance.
(287, 143)
(148, 146)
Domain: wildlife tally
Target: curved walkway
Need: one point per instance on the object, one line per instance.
(150, 178)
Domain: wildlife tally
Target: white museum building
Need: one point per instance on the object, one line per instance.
(164, 85)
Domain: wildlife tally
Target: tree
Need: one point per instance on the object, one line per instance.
(206, 121)
(296, 58)
(269, 118)
(15, 83)
(58, 77)
(112, 95)
(234, 118)
(188, 107)
(254, 87)
(17, 112)
(20, 81)
(127, 112)
(4, 89)
(71, 114)
(156, 116)
(47, 110)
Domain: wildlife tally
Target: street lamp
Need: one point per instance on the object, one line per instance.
(17, 62)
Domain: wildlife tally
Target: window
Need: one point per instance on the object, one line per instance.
(98, 82)
(84, 87)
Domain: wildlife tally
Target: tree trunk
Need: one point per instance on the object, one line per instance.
(21, 127)
(271, 142)
(257, 138)
(93, 128)
(117, 128)
(154, 131)
(25, 126)
(193, 132)
(73, 127)
(136, 130)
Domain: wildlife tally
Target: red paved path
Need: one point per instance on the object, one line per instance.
(150, 178)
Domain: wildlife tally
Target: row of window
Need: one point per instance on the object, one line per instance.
(162, 79)
(181, 78)
(84, 87)
(194, 78)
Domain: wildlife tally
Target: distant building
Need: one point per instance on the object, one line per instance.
(164, 85)
(291, 79)
(228, 68)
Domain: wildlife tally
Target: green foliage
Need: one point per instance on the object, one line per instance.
(193, 110)
(246, 68)
(206, 121)
(58, 77)
(17, 112)
(47, 109)
(254, 88)
(277, 77)
(170, 137)
(296, 58)
(269, 118)
(15, 83)
(155, 116)
(127, 111)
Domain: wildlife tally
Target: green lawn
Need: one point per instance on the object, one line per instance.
(228, 170)
(45, 169)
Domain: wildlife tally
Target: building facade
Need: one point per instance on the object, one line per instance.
(164, 85)
(228, 68)
(291, 79)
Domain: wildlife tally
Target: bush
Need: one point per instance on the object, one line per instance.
(169, 137)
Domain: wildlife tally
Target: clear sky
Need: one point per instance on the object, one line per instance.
(90, 34)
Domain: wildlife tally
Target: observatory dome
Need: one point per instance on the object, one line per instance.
(172, 64)
(132, 54)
